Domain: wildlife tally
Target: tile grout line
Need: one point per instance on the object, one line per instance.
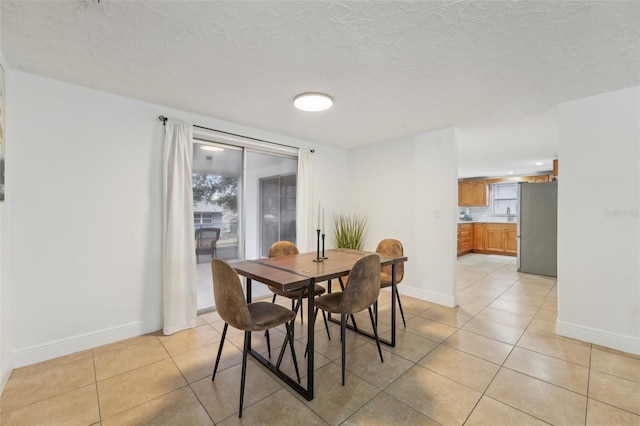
(586, 408)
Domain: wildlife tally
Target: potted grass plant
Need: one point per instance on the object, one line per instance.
(349, 230)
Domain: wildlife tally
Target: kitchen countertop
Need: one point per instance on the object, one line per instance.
(501, 222)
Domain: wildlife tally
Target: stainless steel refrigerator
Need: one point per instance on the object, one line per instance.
(538, 228)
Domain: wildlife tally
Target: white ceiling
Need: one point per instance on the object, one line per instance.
(394, 69)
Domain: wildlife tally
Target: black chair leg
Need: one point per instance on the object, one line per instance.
(326, 324)
(268, 343)
(400, 305)
(343, 332)
(295, 306)
(247, 339)
(353, 320)
(315, 315)
(266, 332)
(215, 368)
(301, 310)
(375, 333)
(375, 311)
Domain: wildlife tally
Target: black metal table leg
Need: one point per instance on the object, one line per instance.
(308, 392)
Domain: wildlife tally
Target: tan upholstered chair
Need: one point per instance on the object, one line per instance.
(361, 293)
(391, 247)
(235, 311)
(286, 248)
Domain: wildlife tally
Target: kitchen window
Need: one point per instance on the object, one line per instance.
(504, 195)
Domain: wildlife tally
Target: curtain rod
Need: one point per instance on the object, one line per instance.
(164, 122)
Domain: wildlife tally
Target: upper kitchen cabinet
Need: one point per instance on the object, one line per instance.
(473, 193)
(535, 179)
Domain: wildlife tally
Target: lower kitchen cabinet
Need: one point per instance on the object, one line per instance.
(478, 236)
(488, 238)
(511, 240)
(465, 238)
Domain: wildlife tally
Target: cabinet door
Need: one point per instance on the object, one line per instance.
(511, 242)
(494, 238)
(464, 193)
(478, 236)
(479, 193)
(465, 237)
(542, 178)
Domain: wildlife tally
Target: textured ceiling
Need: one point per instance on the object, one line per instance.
(394, 68)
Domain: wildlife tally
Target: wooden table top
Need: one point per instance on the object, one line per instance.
(295, 271)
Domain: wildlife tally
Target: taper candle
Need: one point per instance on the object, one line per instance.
(318, 215)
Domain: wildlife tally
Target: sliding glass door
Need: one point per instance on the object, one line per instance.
(244, 200)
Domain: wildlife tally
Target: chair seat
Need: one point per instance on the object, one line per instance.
(268, 315)
(294, 294)
(329, 303)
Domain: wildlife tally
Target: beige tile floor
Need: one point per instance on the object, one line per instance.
(494, 360)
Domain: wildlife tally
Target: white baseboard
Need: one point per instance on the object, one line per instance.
(43, 352)
(429, 296)
(610, 340)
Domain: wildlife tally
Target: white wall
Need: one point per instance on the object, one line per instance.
(408, 190)
(85, 171)
(5, 358)
(599, 220)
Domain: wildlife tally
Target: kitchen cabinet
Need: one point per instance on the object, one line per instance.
(473, 193)
(465, 238)
(479, 193)
(464, 193)
(511, 240)
(500, 238)
(478, 236)
(494, 238)
(488, 238)
(535, 179)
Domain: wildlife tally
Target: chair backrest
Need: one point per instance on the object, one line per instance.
(364, 285)
(229, 297)
(391, 247)
(206, 236)
(282, 248)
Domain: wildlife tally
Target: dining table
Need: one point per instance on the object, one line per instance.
(296, 271)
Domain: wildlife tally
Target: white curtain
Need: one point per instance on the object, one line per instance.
(178, 241)
(305, 240)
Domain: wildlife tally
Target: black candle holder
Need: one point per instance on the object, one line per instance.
(323, 256)
(318, 258)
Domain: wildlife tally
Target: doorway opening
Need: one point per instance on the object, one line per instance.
(244, 200)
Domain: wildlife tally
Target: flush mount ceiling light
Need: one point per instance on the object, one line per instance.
(211, 148)
(313, 102)
(539, 163)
